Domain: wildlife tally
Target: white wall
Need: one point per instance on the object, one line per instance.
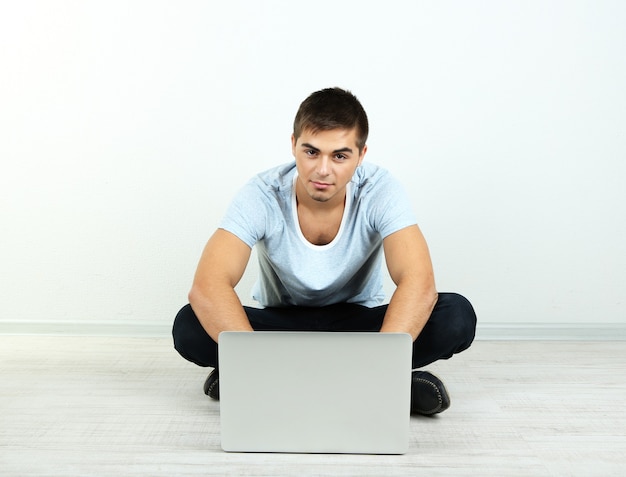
(126, 126)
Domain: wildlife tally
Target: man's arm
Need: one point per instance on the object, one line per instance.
(212, 296)
(410, 267)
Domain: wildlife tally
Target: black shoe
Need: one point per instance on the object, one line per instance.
(428, 394)
(212, 385)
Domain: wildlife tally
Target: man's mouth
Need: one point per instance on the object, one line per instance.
(320, 185)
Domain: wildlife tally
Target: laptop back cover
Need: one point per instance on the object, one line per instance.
(315, 392)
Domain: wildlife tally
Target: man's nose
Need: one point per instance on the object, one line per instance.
(323, 167)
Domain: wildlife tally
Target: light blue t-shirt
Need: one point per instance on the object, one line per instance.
(293, 271)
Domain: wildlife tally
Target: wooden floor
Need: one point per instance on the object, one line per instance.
(87, 406)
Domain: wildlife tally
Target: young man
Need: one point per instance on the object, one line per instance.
(320, 225)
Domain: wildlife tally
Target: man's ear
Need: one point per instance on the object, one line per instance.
(363, 151)
(293, 145)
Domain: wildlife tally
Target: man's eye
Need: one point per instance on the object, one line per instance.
(310, 152)
(340, 157)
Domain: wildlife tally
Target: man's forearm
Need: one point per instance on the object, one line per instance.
(219, 311)
(409, 311)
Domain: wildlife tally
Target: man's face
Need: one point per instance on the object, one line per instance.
(326, 162)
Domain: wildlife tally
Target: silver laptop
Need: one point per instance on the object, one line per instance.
(315, 392)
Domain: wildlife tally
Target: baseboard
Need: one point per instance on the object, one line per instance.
(485, 331)
(78, 328)
(552, 331)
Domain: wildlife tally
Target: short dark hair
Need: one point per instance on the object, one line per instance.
(332, 108)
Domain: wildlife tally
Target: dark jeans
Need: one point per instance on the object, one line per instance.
(449, 330)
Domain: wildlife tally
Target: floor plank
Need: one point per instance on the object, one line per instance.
(73, 406)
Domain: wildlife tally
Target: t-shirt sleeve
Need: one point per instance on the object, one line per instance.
(246, 215)
(391, 208)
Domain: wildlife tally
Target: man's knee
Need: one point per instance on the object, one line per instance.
(191, 340)
(461, 319)
(181, 327)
